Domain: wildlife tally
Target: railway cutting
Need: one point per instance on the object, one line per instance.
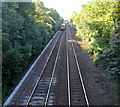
(55, 78)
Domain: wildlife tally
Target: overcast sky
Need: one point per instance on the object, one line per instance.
(65, 7)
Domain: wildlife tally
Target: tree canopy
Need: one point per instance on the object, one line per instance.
(27, 28)
(98, 23)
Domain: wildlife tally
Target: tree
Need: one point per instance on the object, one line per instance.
(27, 28)
(98, 23)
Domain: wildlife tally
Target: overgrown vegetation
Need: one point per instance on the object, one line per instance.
(27, 28)
(99, 24)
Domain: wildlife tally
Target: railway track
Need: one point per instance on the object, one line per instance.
(56, 79)
(77, 92)
(40, 93)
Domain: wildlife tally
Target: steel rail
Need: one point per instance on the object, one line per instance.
(51, 80)
(26, 75)
(41, 73)
(80, 75)
(68, 73)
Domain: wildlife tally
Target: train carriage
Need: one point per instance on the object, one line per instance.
(62, 27)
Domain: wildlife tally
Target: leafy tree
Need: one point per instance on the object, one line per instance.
(98, 23)
(27, 28)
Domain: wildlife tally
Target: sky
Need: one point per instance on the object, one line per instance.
(65, 7)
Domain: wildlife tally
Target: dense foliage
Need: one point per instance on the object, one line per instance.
(98, 23)
(27, 28)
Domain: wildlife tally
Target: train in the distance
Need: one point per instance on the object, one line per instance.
(62, 27)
